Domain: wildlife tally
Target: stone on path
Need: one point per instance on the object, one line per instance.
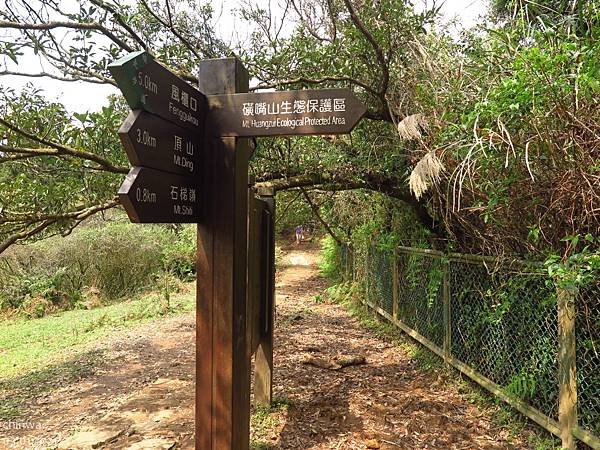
(91, 439)
(152, 444)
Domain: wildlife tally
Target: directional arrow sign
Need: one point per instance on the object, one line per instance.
(284, 113)
(150, 141)
(148, 85)
(151, 196)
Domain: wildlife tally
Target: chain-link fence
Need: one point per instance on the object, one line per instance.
(497, 322)
(587, 327)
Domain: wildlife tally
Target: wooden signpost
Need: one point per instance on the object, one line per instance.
(148, 85)
(150, 141)
(285, 113)
(151, 196)
(190, 155)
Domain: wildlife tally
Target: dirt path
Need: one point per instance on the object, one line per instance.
(136, 390)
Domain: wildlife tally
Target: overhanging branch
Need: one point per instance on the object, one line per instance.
(42, 222)
(66, 24)
(366, 180)
(56, 149)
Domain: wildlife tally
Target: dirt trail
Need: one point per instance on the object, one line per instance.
(138, 391)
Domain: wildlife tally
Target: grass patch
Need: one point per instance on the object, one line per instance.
(28, 345)
(265, 421)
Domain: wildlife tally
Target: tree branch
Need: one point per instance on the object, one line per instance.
(349, 181)
(58, 77)
(56, 149)
(48, 220)
(121, 22)
(64, 24)
(171, 27)
(306, 80)
(376, 47)
(24, 235)
(315, 211)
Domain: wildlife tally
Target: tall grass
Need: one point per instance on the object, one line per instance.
(95, 264)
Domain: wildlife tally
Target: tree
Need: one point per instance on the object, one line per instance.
(58, 168)
(336, 42)
(490, 140)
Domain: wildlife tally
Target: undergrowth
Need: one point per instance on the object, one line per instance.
(95, 265)
(265, 421)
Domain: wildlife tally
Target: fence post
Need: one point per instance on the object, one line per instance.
(447, 311)
(395, 284)
(567, 406)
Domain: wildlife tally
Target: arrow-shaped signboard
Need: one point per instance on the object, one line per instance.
(284, 113)
(151, 196)
(163, 133)
(152, 142)
(148, 85)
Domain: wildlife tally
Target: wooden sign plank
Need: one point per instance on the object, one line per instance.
(151, 196)
(284, 113)
(148, 85)
(150, 141)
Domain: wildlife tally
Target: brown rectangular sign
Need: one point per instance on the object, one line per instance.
(148, 85)
(153, 142)
(284, 113)
(151, 196)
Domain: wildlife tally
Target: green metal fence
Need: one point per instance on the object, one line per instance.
(501, 323)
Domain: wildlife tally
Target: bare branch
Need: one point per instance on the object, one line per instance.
(64, 24)
(171, 27)
(80, 213)
(58, 77)
(46, 221)
(315, 211)
(307, 80)
(121, 22)
(376, 47)
(24, 235)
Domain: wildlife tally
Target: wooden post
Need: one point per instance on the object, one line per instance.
(447, 314)
(395, 284)
(222, 363)
(263, 360)
(567, 409)
(255, 224)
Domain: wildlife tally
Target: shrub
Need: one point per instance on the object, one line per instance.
(330, 263)
(180, 253)
(108, 262)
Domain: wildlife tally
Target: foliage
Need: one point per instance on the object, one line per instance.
(580, 269)
(56, 167)
(330, 263)
(100, 262)
(517, 130)
(179, 252)
(511, 112)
